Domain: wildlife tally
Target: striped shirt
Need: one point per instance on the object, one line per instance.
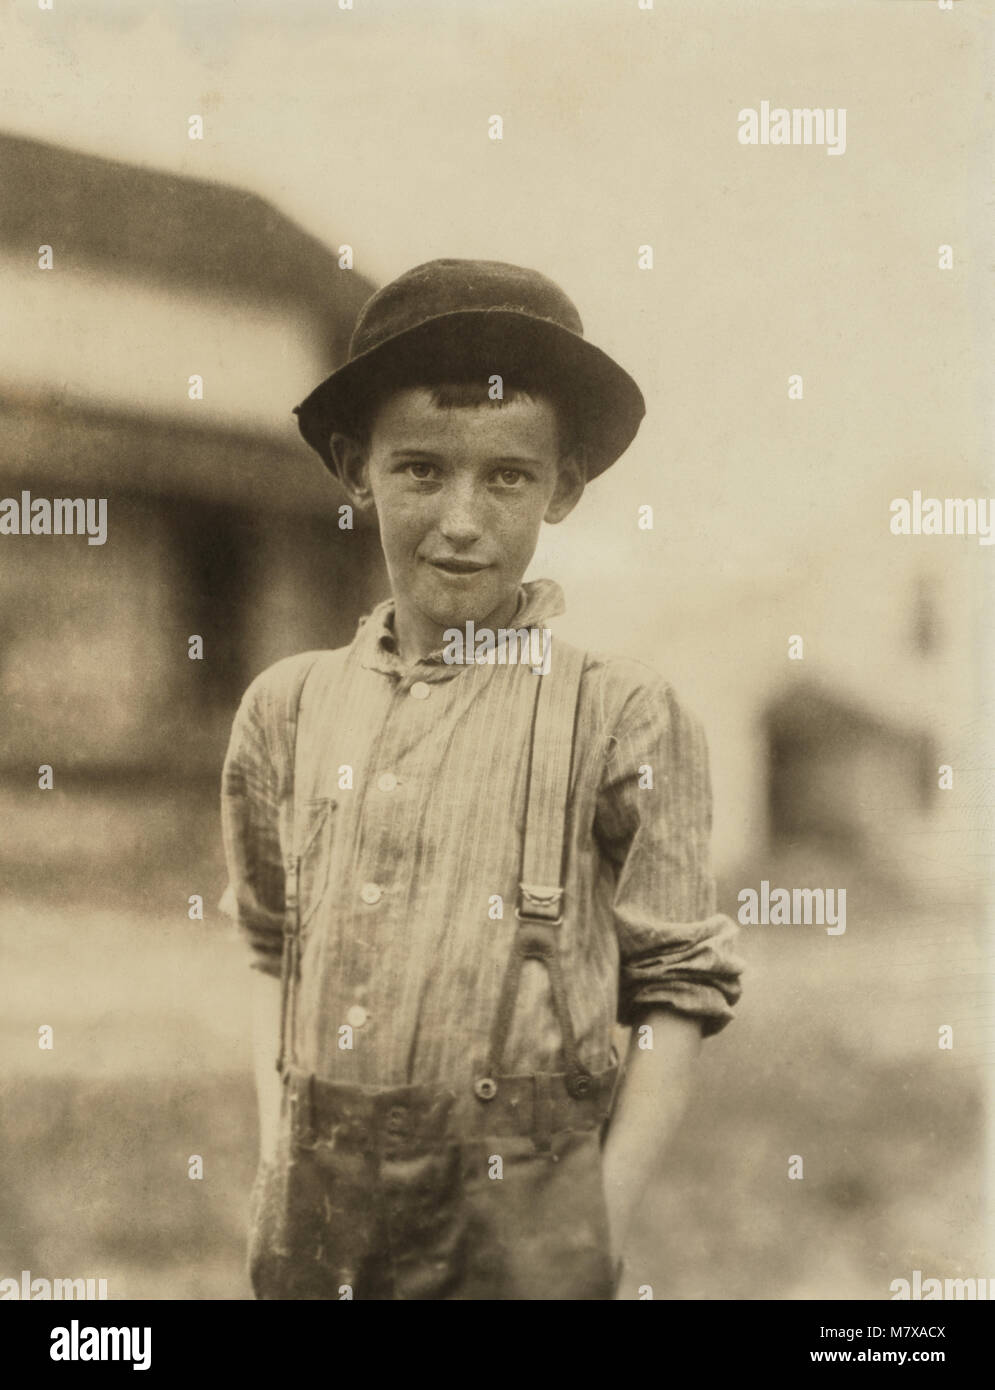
(411, 784)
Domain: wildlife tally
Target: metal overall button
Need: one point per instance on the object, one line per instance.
(397, 1119)
(485, 1088)
(580, 1084)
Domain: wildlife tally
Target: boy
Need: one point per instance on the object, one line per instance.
(443, 1121)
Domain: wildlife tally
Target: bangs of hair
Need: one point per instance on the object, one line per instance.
(458, 389)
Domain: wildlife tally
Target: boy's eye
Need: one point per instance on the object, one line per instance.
(418, 468)
(510, 477)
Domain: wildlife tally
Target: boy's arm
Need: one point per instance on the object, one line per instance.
(678, 971)
(265, 1046)
(652, 1095)
(255, 804)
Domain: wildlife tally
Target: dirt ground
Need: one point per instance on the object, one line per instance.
(834, 1057)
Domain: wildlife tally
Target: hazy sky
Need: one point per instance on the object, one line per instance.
(620, 129)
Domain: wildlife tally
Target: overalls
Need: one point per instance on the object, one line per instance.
(382, 1193)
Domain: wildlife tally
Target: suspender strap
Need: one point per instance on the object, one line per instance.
(554, 722)
(539, 912)
(290, 963)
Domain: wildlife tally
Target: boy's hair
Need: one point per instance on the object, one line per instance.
(455, 388)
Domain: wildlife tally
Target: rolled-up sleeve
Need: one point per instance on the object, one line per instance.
(653, 821)
(252, 807)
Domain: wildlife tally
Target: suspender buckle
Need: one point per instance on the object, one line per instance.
(539, 904)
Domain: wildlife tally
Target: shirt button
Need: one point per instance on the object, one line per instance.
(421, 691)
(386, 781)
(371, 892)
(356, 1016)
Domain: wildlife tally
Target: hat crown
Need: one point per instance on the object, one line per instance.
(443, 287)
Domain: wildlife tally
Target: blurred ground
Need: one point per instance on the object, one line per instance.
(833, 1057)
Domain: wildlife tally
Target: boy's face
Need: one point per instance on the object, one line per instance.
(460, 493)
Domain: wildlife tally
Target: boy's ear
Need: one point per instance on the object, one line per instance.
(350, 459)
(570, 480)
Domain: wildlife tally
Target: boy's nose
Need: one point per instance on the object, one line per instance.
(460, 521)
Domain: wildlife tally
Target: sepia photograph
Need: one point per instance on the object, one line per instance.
(496, 537)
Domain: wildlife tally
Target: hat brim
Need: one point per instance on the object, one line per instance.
(608, 403)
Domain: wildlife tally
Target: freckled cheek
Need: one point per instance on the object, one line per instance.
(518, 535)
(402, 531)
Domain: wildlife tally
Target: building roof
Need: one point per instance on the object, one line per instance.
(818, 714)
(170, 230)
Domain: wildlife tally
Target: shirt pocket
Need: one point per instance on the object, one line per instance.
(314, 856)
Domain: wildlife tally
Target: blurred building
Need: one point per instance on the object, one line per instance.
(843, 777)
(838, 755)
(221, 523)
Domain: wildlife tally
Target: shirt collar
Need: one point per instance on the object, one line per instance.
(376, 645)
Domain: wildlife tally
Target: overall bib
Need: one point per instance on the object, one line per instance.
(404, 1193)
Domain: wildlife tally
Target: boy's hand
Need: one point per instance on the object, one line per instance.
(652, 1096)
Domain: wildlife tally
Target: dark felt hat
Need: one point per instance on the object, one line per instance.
(461, 317)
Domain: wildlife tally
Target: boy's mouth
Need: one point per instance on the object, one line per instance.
(458, 567)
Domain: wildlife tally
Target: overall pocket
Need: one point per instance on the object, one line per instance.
(312, 1221)
(541, 1233)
